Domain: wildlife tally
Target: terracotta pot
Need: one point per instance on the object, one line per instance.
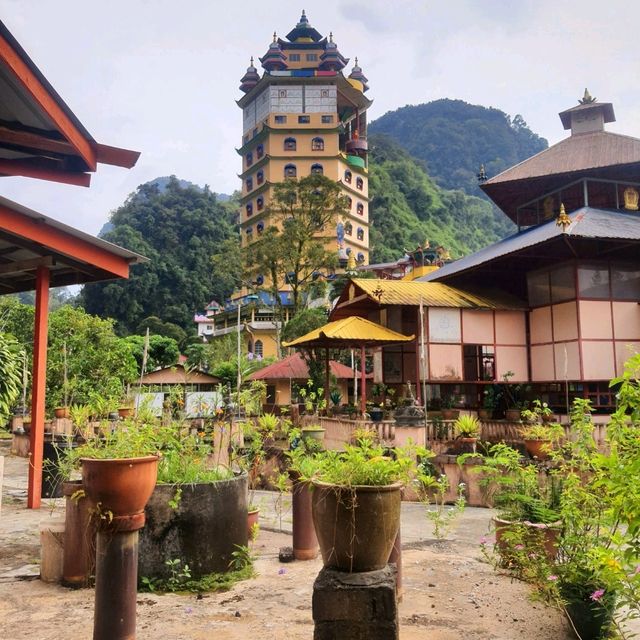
(356, 526)
(449, 414)
(549, 536)
(121, 485)
(484, 414)
(79, 555)
(61, 412)
(125, 412)
(547, 419)
(512, 415)
(538, 448)
(305, 542)
(252, 519)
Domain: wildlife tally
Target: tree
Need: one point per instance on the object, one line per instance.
(163, 351)
(179, 228)
(159, 328)
(293, 250)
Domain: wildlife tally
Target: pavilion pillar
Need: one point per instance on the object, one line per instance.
(363, 380)
(418, 368)
(327, 380)
(38, 387)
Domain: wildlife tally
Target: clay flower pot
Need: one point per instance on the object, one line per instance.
(512, 415)
(484, 414)
(538, 448)
(61, 412)
(121, 486)
(536, 532)
(356, 526)
(252, 519)
(125, 412)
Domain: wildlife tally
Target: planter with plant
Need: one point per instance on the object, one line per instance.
(467, 429)
(336, 398)
(540, 438)
(447, 404)
(490, 399)
(356, 504)
(513, 395)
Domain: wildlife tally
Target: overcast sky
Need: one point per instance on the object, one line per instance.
(162, 76)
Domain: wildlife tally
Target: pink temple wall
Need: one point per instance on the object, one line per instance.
(540, 325)
(511, 327)
(445, 361)
(512, 359)
(626, 320)
(565, 321)
(598, 358)
(595, 320)
(477, 326)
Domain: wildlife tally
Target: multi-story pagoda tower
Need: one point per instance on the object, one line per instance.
(303, 115)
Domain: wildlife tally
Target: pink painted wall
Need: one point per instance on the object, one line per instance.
(565, 321)
(540, 325)
(598, 360)
(595, 320)
(477, 326)
(624, 350)
(567, 355)
(445, 361)
(626, 320)
(512, 359)
(510, 327)
(542, 363)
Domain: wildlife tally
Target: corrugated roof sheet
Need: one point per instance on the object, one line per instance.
(576, 153)
(353, 330)
(434, 294)
(177, 374)
(296, 368)
(587, 222)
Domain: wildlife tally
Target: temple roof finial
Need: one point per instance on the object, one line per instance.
(587, 98)
(275, 37)
(330, 36)
(563, 220)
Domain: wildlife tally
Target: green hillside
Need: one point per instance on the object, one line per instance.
(453, 138)
(407, 208)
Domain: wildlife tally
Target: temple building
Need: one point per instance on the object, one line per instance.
(554, 307)
(301, 115)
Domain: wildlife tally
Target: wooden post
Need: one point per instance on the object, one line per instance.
(363, 380)
(327, 380)
(38, 387)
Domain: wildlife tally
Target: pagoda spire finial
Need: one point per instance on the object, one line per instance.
(330, 36)
(275, 37)
(356, 61)
(587, 98)
(251, 61)
(563, 220)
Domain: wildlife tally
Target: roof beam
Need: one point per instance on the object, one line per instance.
(116, 156)
(57, 241)
(20, 266)
(35, 169)
(34, 142)
(47, 102)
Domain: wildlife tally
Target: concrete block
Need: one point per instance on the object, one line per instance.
(355, 605)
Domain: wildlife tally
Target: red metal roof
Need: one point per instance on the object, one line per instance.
(295, 367)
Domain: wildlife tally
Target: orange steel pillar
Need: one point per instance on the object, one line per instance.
(363, 384)
(38, 388)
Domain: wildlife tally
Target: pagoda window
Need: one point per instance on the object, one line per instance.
(326, 119)
(260, 228)
(249, 209)
(317, 144)
(290, 171)
(625, 282)
(260, 177)
(348, 176)
(281, 119)
(304, 119)
(258, 349)
(360, 233)
(259, 151)
(249, 183)
(294, 57)
(249, 159)
(360, 209)
(260, 203)
(593, 281)
(360, 257)
(249, 231)
(317, 168)
(290, 144)
(359, 183)
(260, 280)
(348, 229)
(350, 202)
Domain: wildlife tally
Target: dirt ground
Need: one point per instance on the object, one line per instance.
(449, 592)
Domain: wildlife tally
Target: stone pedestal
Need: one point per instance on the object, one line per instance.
(358, 606)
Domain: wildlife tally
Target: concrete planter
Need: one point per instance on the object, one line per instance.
(203, 531)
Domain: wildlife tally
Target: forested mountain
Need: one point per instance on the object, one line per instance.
(407, 208)
(454, 138)
(178, 228)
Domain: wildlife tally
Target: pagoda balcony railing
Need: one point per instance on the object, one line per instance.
(357, 145)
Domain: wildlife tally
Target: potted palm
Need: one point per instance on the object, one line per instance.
(467, 429)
